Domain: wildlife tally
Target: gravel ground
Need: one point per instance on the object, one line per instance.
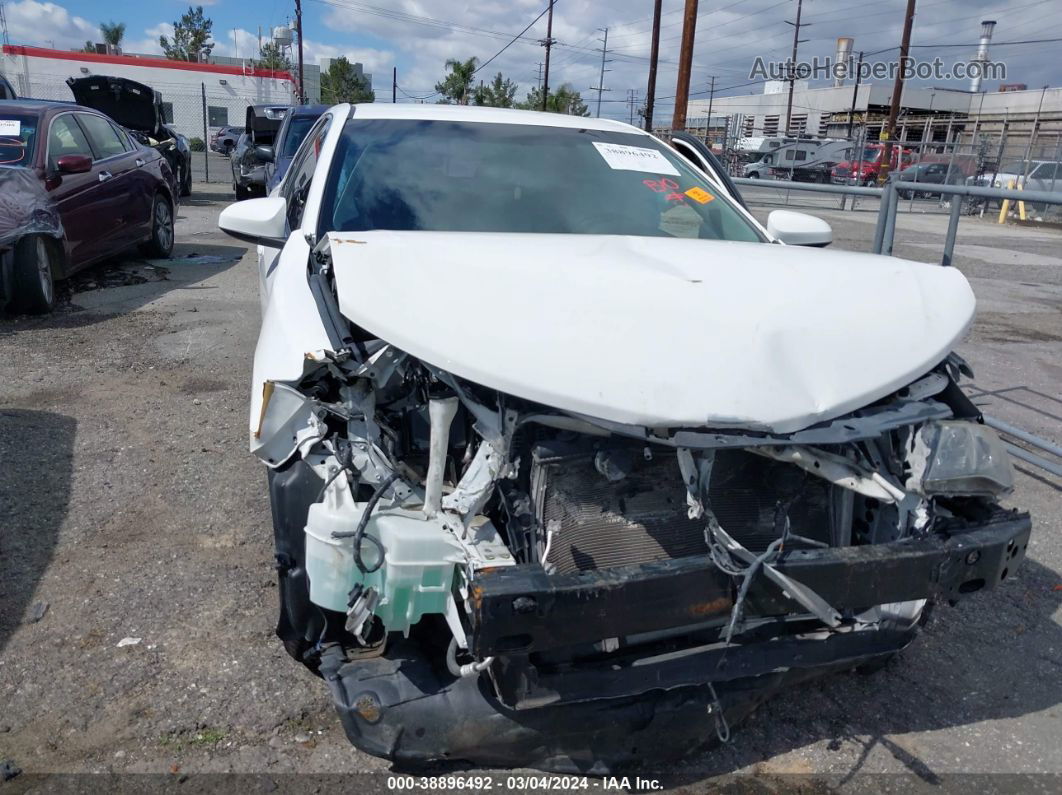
(137, 597)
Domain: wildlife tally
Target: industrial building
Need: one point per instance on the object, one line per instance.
(1012, 118)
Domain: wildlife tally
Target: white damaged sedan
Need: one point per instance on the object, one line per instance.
(572, 462)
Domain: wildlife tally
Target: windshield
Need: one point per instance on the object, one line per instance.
(871, 154)
(1014, 167)
(297, 129)
(419, 175)
(17, 134)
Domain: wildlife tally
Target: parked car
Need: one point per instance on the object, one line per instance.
(225, 139)
(276, 158)
(184, 151)
(931, 174)
(248, 170)
(138, 108)
(573, 462)
(75, 188)
(1045, 175)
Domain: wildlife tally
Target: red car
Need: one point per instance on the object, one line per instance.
(75, 189)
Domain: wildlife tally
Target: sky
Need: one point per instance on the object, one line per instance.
(418, 36)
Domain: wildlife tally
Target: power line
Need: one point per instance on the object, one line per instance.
(514, 38)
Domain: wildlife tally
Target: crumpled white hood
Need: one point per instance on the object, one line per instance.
(656, 331)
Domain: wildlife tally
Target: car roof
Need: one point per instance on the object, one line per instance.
(384, 110)
(41, 105)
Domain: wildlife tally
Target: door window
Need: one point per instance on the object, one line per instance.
(66, 138)
(105, 139)
(297, 180)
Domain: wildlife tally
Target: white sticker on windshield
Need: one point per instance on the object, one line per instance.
(10, 127)
(635, 158)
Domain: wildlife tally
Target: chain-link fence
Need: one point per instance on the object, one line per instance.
(1024, 154)
(199, 112)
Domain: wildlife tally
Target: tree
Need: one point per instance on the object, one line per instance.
(499, 93)
(191, 37)
(89, 47)
(272, 57)
(564, 100)
(343, 83)
(456, 87)
(112, 33)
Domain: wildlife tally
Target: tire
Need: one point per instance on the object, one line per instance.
(241, 192)
(754, 175)
(33, 275)
(160, 244)
(226, 149)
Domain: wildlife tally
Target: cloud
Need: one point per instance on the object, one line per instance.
(48, 24)
(420, 35)
(150, 44)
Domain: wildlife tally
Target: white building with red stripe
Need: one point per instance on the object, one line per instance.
(187, 88)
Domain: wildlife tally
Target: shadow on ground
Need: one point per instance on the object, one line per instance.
(36, 457)
(91, 295)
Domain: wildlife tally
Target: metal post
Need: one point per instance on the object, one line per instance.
(298, 31)
(883, 211)
(394, 84)
(1032, 138)
(206, 138)
(890, 221)
(953, 229)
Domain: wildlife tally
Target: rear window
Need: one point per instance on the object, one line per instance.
(18, 135)
(297, 129)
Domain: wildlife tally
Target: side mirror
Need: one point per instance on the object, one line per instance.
(264, 154)
(799, 229)
(262, 222)
(74, 164)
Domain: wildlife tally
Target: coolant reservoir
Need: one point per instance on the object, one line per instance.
(418, 571)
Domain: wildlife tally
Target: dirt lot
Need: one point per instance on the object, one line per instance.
(137, 595)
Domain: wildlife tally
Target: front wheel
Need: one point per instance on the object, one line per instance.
(160, 244)
(34, 275)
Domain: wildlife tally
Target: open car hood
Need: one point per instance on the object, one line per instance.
(656, 332)
(133, 105)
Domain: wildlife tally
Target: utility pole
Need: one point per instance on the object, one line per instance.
(708, 126)
(650, 91)
(601, 80)
(682, 87)
(548, 44)
(394, 84)
(538, 79)
(7, 41)
(298, 31)
(855, 94)
(897, 91)
(632, 101)
(792, 65)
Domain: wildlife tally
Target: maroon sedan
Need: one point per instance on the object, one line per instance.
(75, 188)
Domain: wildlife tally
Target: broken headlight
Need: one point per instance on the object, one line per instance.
(957, 458)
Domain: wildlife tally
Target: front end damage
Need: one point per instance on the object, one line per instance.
(483, 578)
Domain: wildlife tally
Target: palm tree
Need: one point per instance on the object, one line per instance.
(457, 86)
(112, 33)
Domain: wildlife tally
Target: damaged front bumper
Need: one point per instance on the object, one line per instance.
(637, 699)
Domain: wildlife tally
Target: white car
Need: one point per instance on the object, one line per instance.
(572, 462)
